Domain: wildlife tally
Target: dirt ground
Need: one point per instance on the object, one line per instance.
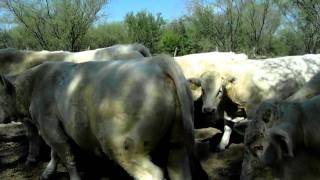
(224, 165)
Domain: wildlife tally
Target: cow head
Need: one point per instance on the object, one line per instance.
(212, 86)
(281, 132)
(7, 100)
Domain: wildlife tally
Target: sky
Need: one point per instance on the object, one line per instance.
(116, 10)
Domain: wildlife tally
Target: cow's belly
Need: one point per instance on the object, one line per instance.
(77, 127)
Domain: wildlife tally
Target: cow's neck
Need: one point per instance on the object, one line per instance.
(24, 84)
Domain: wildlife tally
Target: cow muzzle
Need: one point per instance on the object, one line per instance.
(208, 109)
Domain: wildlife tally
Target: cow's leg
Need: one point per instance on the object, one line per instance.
(229, 122)
(51, 167)
(178, 164)
(225, 137)
(139, 166)
(132, 156)
(56, 138)
(33, 140)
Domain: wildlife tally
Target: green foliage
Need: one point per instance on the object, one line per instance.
(107, 35)
(169, 42)
(288, 42)
(145, 28)
(304, 18)
(254, 27)
(5, 39)
(56, 24)
(20, 38)
(175, 38)
(206, 28)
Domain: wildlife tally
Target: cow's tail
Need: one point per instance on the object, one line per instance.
(141, 49)
(173, 70)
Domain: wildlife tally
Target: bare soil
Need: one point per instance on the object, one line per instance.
(224, 165)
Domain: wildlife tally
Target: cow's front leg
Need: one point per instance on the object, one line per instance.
(228, 128)
(56, 138)
(178, 164)
(225, 138)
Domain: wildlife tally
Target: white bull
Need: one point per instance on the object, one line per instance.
(193, 65)
(248, 83)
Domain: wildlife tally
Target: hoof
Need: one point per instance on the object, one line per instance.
(45, 176)
(219, 149)
(30, 163)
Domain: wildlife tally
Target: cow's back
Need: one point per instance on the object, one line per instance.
(284, 76)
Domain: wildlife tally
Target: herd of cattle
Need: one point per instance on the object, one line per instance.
(123, 103)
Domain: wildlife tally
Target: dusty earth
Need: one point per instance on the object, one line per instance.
(13, 147)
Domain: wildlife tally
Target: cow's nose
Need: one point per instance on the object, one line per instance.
(257, 150)
(207, 109)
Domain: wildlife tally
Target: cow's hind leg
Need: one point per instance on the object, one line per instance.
(178, 164)
(56, 138)
(51, 167)
(133, 158)
(140, 167)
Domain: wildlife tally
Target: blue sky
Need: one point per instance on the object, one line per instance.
(116, 10)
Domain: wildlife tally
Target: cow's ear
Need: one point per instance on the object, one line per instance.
(195, 81)
(283, 141)
(195, 86)
(8, 86)
(229, 79)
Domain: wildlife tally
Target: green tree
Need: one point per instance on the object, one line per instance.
(107, 34)
(146, 28)
(206, 27)
(5, 24)
(56, 24)
(5, 39)
(309, 18)
(231, 13)
(234, 25)
(304, 18)
(288, 42)
(260, 22)
(23, 39)
(169, 41)
(175, 39)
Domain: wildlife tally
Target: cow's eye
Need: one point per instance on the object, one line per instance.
(219, 93)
